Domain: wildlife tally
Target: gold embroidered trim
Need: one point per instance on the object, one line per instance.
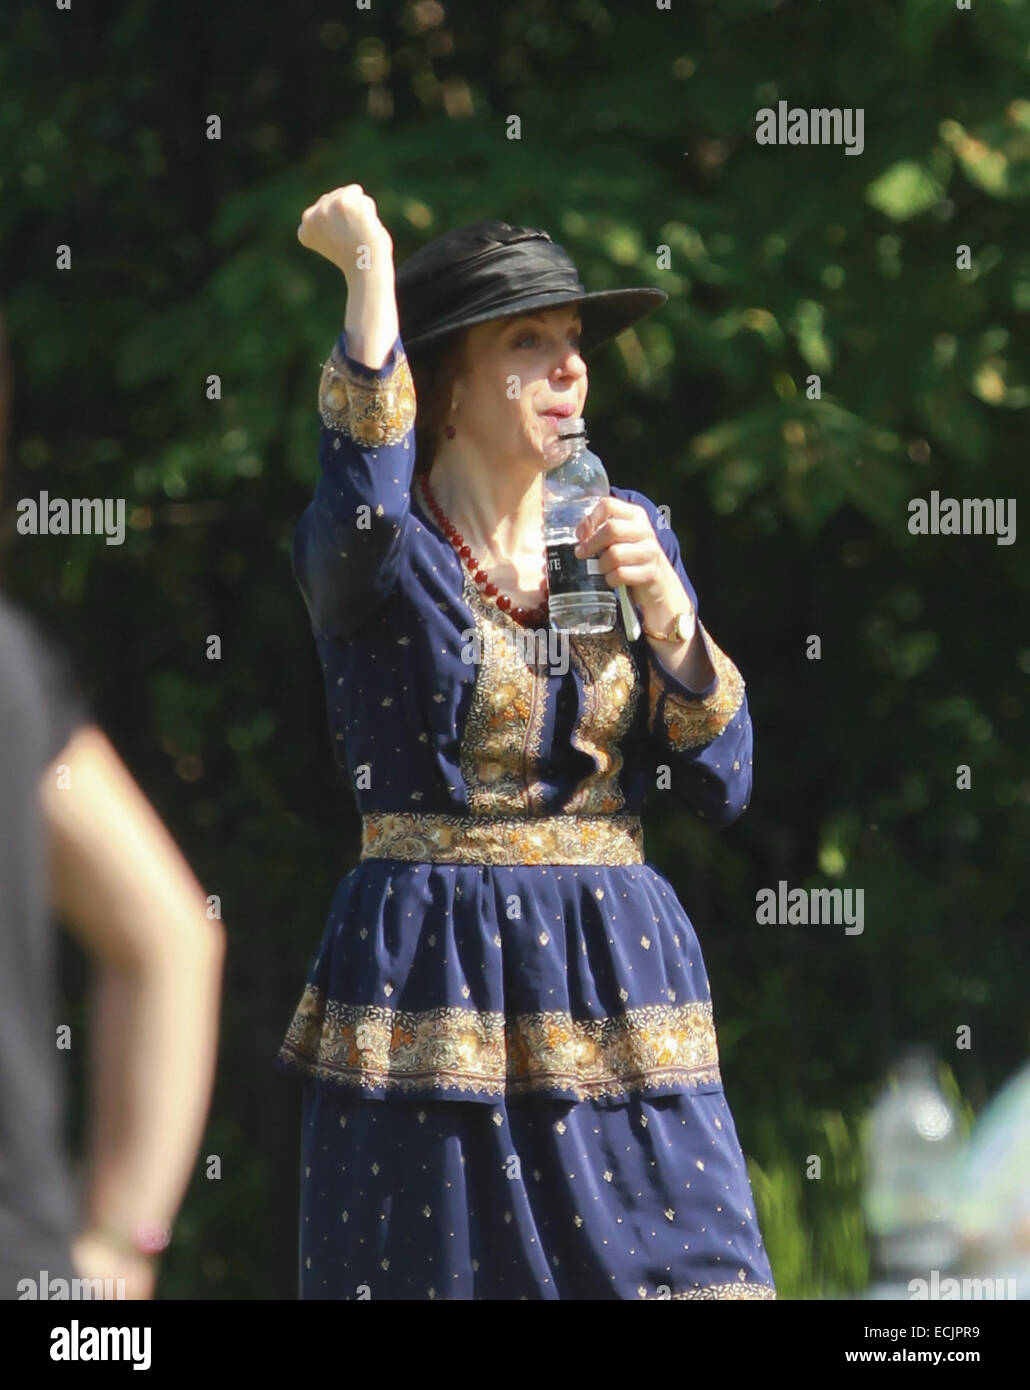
(611, 689)
(468, 840)
(365, 1045)
(503, 734)
(370, 411)
(687, 723)
(730, 1290)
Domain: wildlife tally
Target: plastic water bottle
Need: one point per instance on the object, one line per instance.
(580, 599)
(912, 1148)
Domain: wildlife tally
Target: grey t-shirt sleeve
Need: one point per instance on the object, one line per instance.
(41, 707)
(65, 708)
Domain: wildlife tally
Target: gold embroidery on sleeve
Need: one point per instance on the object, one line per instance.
(687, 723)
(371, 412)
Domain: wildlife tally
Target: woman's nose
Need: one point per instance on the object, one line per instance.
(572, 363)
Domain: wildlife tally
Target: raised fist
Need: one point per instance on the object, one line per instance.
(344, 227)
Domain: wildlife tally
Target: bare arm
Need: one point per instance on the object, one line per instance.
(371, 318)
(344, 227)
(123, 886)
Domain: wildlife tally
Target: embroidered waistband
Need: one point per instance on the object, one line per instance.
(444, 839)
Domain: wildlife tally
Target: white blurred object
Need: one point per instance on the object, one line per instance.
(912, 1145)
(992, 1201)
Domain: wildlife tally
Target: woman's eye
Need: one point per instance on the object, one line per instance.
(532, 337)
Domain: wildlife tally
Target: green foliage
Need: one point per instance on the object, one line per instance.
(790, 505)
(813, 1227)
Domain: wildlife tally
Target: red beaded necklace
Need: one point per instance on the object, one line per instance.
(529, 617)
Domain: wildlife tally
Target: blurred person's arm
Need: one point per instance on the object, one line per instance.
(122, 885)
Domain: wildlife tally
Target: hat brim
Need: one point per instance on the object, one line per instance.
(605, 314)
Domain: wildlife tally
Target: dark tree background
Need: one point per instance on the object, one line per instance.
(637, 133)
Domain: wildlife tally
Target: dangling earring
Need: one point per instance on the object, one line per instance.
(449, 431)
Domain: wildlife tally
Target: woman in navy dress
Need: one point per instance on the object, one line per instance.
(505, 1038)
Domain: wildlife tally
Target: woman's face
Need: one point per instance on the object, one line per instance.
(517, 369)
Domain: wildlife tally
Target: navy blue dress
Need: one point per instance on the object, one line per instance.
(506, 1042)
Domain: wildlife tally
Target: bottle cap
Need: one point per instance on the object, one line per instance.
(572, 427)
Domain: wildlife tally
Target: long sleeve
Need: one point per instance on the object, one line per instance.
(347, 544)
(704, 736)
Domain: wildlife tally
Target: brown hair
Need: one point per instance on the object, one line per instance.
(434, 372)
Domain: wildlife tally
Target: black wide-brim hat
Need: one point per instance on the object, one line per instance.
(489, 270)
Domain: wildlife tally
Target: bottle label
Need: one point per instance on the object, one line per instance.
(569, 573)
